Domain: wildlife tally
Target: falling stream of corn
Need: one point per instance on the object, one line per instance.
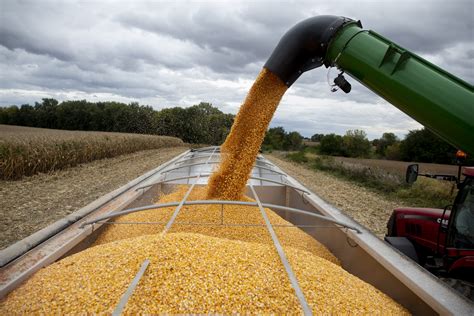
(209, 268)
(243, 143)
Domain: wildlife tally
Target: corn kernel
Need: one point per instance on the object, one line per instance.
(193, 273)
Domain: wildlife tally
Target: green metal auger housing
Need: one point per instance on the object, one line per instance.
(432, 96)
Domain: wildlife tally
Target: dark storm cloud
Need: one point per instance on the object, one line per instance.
(224, 36)
(247, 33)
(254, 29)
(180, 53)
(15, 39)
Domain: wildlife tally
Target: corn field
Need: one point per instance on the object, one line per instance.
(25, 151)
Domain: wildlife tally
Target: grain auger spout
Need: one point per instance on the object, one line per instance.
(437, 99)
(304, 47)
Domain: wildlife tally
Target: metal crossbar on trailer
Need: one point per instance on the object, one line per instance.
(181, 203)
(258, 161)
(219, 202)
(217, 162)
(123, 301)
(284, 260)
(128, 293)
(209, 174)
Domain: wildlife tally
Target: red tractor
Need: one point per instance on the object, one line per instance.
(440, 240)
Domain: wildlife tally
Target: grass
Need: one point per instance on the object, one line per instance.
(399, 167)
(424, 192)
(298, 156)
(25, 151)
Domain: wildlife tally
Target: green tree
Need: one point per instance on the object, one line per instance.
(46, 113)
(293, 141)
(274, 138)
(142, 119)
(356, 143)
(3, 115)
(392, 152)
(332, 144)
(387, 139)
(76, 115)
(317, 137)
(219, 127)
(113, 116)
(424, 146)
(172, 122)
(200, 123)
(207, 124)
(27, 116)
(10, 115)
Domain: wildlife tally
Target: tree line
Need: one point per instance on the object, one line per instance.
(277, 138)
(202, 123)
(206, 124)
(418, 145)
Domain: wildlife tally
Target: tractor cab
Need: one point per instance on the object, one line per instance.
(441, 240)
(461, 227)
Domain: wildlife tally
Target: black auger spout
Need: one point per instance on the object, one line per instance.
(304, 47)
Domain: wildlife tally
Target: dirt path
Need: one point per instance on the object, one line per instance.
(35, 202)
(366, 207)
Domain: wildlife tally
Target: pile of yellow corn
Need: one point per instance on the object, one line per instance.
(195, 273)
(220, 217)
(192, 273)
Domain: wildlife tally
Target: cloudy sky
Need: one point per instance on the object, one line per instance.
(178, 53)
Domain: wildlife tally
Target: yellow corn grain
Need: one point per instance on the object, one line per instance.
(193, 273)
(243, 143)
(211, 214)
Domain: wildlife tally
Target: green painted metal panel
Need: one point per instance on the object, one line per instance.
(437, 99)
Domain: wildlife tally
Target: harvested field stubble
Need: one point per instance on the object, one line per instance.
(33, 203)
(25, 151)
